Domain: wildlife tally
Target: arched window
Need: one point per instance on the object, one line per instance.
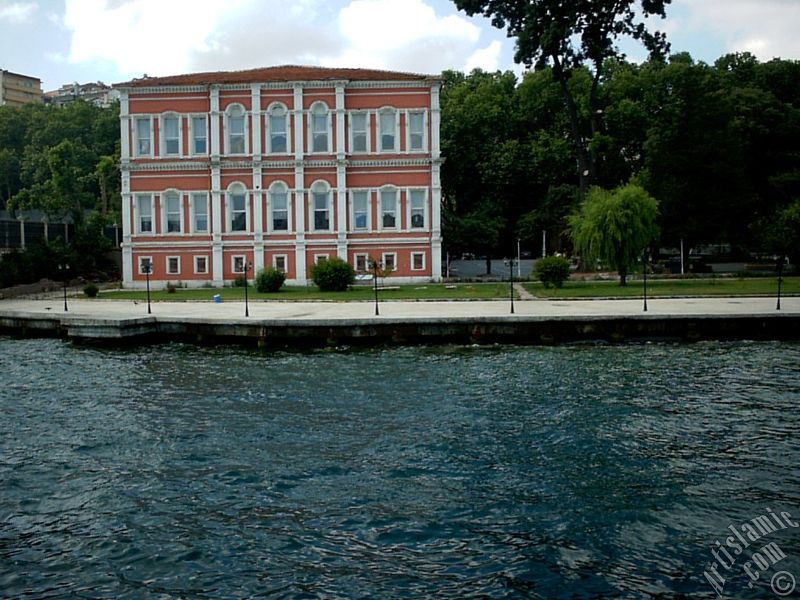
(321, 206)
(279, 207)
(320, 127)
(171, 201)
(237, 208)
(235, 127)
(278, 129)
(387, 134)
(170, 134)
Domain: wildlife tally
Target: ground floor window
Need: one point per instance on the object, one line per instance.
(145, 265)
(389, 260)
(417, 261)
(279, 262)
(201, 265)
(237, 263)
(173, 265)
(318, 258)
(361, 263)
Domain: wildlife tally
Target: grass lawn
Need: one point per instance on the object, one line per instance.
(460, 291)
(719, 286)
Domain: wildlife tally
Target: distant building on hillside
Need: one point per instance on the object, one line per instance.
(16, 89)
(97, 93)
(229, 172)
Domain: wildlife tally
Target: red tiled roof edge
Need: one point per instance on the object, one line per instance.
(281, 73)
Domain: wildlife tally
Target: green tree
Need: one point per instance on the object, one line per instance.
(615, 226)
(568, 35)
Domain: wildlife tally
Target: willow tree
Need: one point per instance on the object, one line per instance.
(572, 34)
(615, 226)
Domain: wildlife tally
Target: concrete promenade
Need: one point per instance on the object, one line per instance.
(308, 324)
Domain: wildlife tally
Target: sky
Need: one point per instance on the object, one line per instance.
(65, 41)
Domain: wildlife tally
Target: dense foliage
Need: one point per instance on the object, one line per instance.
(270, 280)
(333, 275)
(552, 271)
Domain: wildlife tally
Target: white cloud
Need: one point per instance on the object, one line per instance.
(487, 58)
(17, 12)
(766, 28)
(143, 36)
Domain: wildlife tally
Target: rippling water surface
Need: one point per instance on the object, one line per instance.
(587, 471)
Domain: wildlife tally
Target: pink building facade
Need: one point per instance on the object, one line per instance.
(282, 167)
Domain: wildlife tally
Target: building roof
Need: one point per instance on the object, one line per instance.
(276, 74)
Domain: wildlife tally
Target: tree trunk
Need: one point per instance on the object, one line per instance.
(488, 265)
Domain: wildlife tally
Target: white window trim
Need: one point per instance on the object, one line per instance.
(138, 216)
(358, 255)
(226, 130)
(193, 214)
(424, 131)
(166, 264)
(353, 210)
(142, 260)
(329, 124)
(424, 209)
(413, 254)
(196, 260)
(285, 258)
(192, 117)
(233, 264)
(229, 209)
(289, 210)
(135, 136)
(267, 131)
(320, 257)
(378, 136)
(393, 255)
(162, 141)
(397, 220)
(350, 129)
(311, 213)
(164, 223)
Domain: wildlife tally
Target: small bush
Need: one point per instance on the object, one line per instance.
(269, 280)
(171, 289)
(333, 275)
(552, 270)
(239, 281)
(90, 290)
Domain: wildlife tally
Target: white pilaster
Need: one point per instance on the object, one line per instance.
(214, 122)
(216, 226)
(435, 121)
(258, 219)
(436, 221)
(298, 122)
(127, 228)
(341, 211)
(255, 99)
(340, 150)
(124, 127)
(300, 223)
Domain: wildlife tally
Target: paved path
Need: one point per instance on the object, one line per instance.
(227, 311)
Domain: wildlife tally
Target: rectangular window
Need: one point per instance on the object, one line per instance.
(280, 211)
(417, 261)
(238, 264)
(319, 132)
(172, 212)
(200, 212)
(389, 260)
(236, 134)
(238, 212)
(199, 135)
(145, 265)
(360, 209)
(388, 209)
(201, 265)
(279, 262)
(321, 217)
(318, 258)
(173, 265)
(142, 136)
(277, 134)
(144, 206)
(171, 135)
(387, 123)
(358, 132)
(416, 131)
(417, 208)
(362, 263)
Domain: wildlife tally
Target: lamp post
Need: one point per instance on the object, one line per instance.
(147, 268)
(509, 262)
(375, 266)
(644, 274)
(780, 280)
(63, 268)
(246, 266)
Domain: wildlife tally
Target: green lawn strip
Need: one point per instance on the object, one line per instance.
(668, 287)
(461, 291)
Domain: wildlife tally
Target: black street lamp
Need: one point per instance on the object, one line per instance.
(780, 280)
(147, 268)
(644, 273)
(246, 266)
(63, 268)
(375, 266)
(509, 262)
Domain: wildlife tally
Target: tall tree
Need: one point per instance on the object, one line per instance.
(615, 226)
(568, 35)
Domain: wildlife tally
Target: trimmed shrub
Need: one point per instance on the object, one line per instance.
(333, 275)
(90, 290)
(171, 289)
(552, 270)
(270, 280)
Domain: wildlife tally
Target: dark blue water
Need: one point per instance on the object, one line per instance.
(567, 472)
